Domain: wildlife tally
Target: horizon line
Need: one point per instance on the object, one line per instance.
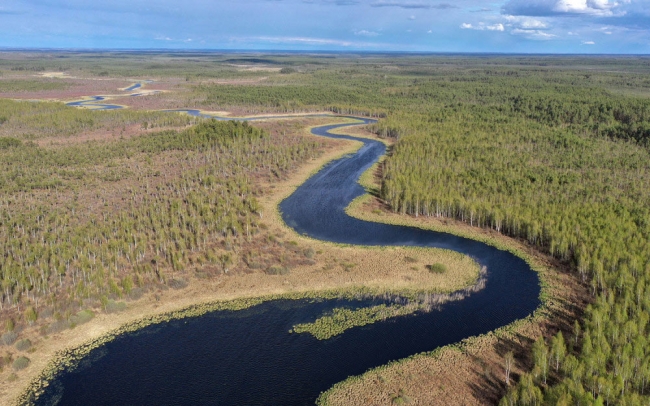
(307, 51)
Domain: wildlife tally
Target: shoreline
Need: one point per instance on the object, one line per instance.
(387, 382)
(61, 348)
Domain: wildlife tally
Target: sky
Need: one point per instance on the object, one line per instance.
(506, 26)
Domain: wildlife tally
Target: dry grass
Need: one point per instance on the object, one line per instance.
(472, 372)
(77, 88)
(332, 267)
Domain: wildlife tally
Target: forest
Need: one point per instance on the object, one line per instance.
(558, 157)
(551, 150)
(85, 225)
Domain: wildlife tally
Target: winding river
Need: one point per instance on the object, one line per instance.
(248, 357)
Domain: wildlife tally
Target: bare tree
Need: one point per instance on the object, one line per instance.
(509, 360)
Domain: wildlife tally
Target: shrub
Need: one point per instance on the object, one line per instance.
(82, 317)
(309, 253)
(277, 270)
(136, 293)
(24, 344)
(57, 326)
(400, 398)
(30, 315)
(255, 265)
(286, 71)
(113, 307)
(177, 284)
(437, 268)
(9, 142)
(20, 363)
(9, 337)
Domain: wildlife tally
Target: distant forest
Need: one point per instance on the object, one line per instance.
(554, 150)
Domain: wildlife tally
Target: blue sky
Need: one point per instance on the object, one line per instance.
(535, 26)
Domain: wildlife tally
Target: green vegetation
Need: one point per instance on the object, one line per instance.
(24, 85)
(531, 147)
(567, 185)
(24, 344)
(86, 225)
(20, 363)
(23, 120)
(553, 150)
(342, 319)
(437, 268)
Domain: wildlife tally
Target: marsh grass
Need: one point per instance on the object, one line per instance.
(342, 319)
(438, 267)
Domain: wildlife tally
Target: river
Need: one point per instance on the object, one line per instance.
(248, 357)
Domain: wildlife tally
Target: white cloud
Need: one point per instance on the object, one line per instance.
(366, 33)
(412, 5)
(429, 32)
(306, 41)
(303, 40)
(533, 34)
(526, 23)
(411, 17)
(594, 7)
(482, 27)
(602, 8)
(588, 43)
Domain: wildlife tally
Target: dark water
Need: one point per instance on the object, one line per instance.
(249, 358)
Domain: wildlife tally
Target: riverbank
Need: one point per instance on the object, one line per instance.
(470, 372)
(336, 270)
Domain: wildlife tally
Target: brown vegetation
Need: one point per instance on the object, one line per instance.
(310, 264)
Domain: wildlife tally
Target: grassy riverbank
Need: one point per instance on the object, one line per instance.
(432, 104)
(332, 270)
(470, 372)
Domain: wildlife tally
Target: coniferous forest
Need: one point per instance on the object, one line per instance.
(551, 150)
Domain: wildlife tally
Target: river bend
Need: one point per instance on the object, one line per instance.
(248, 357)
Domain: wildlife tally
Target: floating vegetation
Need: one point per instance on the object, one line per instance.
(341, 319)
